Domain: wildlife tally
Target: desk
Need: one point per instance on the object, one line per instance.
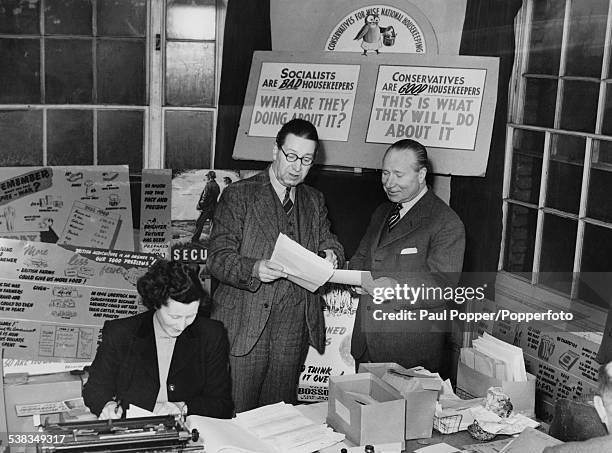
(317, 412)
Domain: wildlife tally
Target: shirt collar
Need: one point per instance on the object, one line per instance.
(279, 189)
(407, 205)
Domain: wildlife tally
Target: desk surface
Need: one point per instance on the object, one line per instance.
(317, 412)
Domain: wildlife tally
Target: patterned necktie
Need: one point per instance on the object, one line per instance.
(287, 203)
(395, 216)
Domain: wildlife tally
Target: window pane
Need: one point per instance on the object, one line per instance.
(540, 96)
(520, 240)
(188, 139)
(565, 173)
(595, 284)
(122, 17)
(121, 72)
(579, 110)
(587, 31)
(21, 138)
(20, 71)
(558, 247)
(190, 74)
(68, 17)
(546, 32)
(600, 186)
(606, 127)
(70, 137)
(68, 71)
(528, 147)
(191, 19)
(120, 138)
(20, 17)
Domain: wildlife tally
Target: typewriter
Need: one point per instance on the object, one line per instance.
(159, 434)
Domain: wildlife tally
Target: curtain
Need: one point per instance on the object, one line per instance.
(247, 28)
(488, 30)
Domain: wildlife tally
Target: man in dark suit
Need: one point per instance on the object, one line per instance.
(269, 319)
(603, 405)
(206, 204)
(415, 239)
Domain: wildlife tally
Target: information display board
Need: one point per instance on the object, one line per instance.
(446, 102)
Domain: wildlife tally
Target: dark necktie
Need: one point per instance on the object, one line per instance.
(394, 218)
(287, 203)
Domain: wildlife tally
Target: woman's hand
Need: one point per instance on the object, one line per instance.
(170, 408)
(111, 410)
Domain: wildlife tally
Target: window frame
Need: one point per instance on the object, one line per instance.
(153, 148)
(517, 91)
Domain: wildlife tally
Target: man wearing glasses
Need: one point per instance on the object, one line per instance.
(270, 320)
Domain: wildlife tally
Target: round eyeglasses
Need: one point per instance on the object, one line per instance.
(292, 157)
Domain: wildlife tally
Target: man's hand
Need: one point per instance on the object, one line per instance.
(357, 290)
(268, 271)
(331, 257)
(111, 411)
(370, 285)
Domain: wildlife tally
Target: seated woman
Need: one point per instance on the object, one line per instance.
(166, 360)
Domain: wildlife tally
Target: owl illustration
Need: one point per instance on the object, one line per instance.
(371, 34)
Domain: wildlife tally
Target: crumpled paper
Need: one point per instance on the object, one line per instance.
(494, 424)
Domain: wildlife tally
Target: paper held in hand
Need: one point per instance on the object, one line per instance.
(306, 268)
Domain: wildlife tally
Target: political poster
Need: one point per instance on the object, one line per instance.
(155, 211)
(323, 94)
(79, 206)
(54, 299)
(377, 28)
(437, 106)
(446, 102)
(22, 339)
(336, 360)
(195, 194)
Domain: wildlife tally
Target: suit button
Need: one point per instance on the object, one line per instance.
(171, 387)
(266, 305)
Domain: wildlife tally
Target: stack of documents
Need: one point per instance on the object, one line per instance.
(287, 430)
(277, 428)
(302, 267)
(308, 269)
(495, 358)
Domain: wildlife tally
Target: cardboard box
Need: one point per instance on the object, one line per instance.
(374, 423)
(473, 384)
(420, 405)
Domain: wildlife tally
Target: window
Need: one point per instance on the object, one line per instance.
(558, 176)
(93, 82)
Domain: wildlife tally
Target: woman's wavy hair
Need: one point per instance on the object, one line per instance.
(170, 279)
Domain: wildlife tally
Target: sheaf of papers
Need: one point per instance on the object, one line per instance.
(284, 429)
(498, 350)
(302, 266)
(136, 411)
(347, 277)
(442, 447)
(413, 379)
(225, 436)
(308, 269)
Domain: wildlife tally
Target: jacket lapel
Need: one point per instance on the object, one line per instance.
(145, 350)
(185, 350)
(410, 222)
(264, 207)
(306, 218)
